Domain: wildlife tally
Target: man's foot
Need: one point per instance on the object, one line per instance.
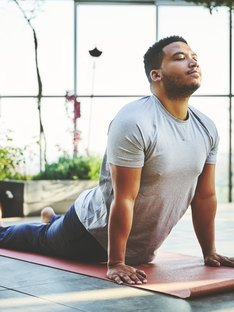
(46, 214)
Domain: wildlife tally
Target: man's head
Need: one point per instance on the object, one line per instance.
(172, 68)
(154, 55)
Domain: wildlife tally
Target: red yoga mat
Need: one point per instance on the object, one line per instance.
(173, 274)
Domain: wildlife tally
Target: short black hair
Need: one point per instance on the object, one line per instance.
(154, 55)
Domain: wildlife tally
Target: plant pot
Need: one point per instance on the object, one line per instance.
(27, 198)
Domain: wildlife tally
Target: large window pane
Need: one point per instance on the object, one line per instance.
(21, 117)
(54, 28)
(208, 35)
(123, 33)
(232, 143)
(19, 121)
(217, 108)
(232, 54)
(96, 115)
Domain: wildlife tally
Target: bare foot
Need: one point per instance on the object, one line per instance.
(46, 214)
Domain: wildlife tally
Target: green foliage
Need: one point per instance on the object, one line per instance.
(76, 168)
(211, 4)
(66, 168)
(10, 160)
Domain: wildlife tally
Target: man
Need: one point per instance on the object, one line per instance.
(160, 159)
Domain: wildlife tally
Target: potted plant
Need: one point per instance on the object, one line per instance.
(57, 185)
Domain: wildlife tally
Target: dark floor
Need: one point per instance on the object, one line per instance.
(30, 287)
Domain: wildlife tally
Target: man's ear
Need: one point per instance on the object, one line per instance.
(155, 75)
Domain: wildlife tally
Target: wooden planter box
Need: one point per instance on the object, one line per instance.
(27, 198)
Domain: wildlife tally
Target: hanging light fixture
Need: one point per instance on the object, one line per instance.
(95, 52)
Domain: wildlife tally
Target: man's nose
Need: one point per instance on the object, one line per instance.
(193, 63)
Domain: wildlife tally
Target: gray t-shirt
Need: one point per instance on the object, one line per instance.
(171, 153)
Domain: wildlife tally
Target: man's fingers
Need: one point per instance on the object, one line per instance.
(142, 273)
(227, 261)
(218, 260)
(212, 262)
(131, 278)
(138, 278)
(122, 278)
(122, 273)
(117, 279)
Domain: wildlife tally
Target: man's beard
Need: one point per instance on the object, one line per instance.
(175, 90)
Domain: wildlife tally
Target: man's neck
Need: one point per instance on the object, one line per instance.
(176, 107)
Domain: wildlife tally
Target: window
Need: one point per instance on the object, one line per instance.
(123, 33)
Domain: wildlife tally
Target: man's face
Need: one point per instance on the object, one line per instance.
(181, 74)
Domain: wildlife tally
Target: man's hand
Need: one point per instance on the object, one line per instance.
(122, 273)
(218, 260)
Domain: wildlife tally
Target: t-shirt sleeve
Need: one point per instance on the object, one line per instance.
(125, 144)
(212, 157)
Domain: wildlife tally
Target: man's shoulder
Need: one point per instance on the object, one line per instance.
(200, 115)
(136, 110)
(137, 104)
(205, 120)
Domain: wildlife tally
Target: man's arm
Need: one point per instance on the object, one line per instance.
(204, 207)
(126, 183)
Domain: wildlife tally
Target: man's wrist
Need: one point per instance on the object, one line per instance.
(209, 252)
(112, 264)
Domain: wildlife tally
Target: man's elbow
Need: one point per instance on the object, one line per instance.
(204, 198)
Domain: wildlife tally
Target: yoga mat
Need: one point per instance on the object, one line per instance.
(173, 274)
